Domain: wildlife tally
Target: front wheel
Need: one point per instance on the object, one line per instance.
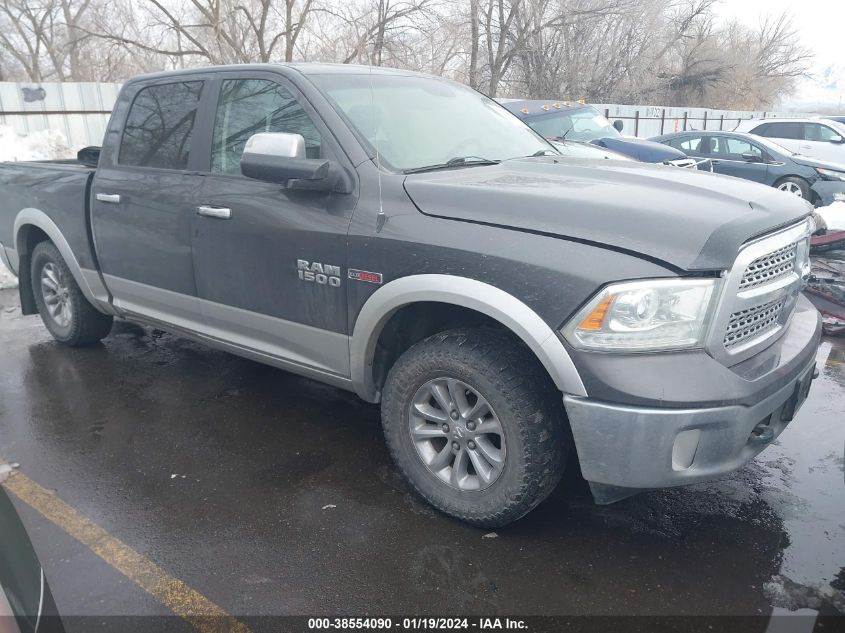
(796, 186)
(475, 425)
(61, 304)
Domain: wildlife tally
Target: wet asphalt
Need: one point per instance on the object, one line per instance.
(272, 494)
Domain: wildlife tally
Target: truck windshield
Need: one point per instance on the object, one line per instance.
(584, 124)
(420, 122)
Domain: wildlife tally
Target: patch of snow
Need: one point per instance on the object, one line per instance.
(329, 506)
(7, 279)
(833, 215)
(41, 145)
(490, 535)
(6, 470)
(785, 593)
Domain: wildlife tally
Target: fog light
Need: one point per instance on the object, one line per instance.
(683, 452)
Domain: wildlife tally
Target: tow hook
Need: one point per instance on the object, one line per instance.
(763, 433)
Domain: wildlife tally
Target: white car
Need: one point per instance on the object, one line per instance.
(823, 139)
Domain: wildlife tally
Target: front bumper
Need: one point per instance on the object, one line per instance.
(829, 191)
(624, 447)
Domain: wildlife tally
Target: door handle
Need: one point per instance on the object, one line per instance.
(111, 198)
(221, 213)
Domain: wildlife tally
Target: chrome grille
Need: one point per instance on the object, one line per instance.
(759, 294)
(752, 323)
(769, 268)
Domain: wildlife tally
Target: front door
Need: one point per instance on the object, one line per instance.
(729, 157)
(270, 261)
(822, 142)
(142, 201)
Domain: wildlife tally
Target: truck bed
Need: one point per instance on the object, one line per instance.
(57, 188)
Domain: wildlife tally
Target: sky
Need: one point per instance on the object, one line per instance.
(821, 26)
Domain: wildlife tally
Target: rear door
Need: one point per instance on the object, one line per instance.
(143, 198)
(270, 261)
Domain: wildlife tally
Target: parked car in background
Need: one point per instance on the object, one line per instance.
(838, 119)
(568, 122)
(818, 138)
(761, 160)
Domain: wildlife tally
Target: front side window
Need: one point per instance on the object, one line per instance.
(735, 148)
(160, 124)
(819, 132)
(253, 106)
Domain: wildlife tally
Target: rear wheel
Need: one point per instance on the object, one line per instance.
(61, 304)
(796, 186)
(475, 425)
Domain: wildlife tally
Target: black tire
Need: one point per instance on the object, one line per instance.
(85, 324)
(525, 401)
(791, 182)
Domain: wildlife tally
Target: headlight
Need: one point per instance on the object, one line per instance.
(636, 316)
(830, 174)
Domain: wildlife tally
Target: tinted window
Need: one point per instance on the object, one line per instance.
(159, 126)
(781, 130)
(251, 106)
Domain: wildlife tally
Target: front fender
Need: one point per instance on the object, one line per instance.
(468, 293)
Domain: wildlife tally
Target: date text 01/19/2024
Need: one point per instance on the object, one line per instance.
(481, 624)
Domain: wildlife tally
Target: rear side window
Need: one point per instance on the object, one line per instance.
(689, 145)
(794, 131)
(160, 124)
(252, 106)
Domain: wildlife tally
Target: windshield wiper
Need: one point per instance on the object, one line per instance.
(458, 161)
(561, 139)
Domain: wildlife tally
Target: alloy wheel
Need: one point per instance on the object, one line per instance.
(56, 294)
(791, 187)
(457, 434)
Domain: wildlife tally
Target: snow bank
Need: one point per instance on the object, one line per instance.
(42, 145)
(834, 216)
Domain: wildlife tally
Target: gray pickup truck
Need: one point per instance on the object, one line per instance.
(408, 239)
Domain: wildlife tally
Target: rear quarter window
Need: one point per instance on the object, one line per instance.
(160, 125)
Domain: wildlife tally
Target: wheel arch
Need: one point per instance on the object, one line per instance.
(487, 300)
(33, 226)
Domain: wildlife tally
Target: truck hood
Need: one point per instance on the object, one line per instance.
(689, 219)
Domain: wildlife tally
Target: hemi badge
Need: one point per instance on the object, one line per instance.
(362, 275)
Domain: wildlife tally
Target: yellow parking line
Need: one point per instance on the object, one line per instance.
(199, 611)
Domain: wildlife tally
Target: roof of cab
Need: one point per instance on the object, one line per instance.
(303, 68)
(538, 107)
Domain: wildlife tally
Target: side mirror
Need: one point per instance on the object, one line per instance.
(618, 124)
(277, 157)
(837, 139)
(751, 157)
